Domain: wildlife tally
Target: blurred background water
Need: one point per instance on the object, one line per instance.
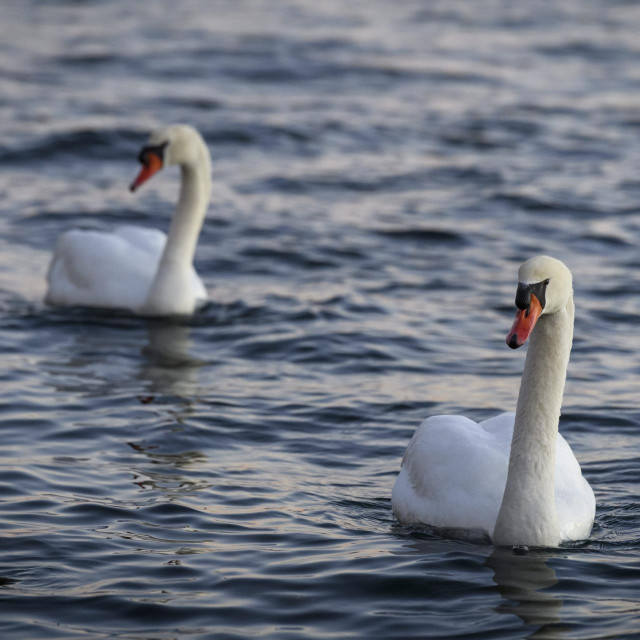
(380, 171)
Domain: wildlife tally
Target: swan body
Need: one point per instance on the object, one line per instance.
(512, 477)
(138, 269)
(467, 454)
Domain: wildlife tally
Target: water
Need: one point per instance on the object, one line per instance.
(380, 170)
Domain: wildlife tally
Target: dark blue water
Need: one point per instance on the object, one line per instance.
(380, 171)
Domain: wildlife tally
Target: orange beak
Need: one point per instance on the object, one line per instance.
(153, 165)
(523, 325)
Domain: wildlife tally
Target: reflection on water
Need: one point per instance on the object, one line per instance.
(166, 472)
(169, 366)
(522, 580)
(379, 174)
(102, 353)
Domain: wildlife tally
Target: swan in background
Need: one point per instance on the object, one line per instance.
(512, 477)
(139, 269)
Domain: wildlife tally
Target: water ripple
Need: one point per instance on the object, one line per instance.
(379, 172)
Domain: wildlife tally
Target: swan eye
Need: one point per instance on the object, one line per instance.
(546, 282)
(157, 150)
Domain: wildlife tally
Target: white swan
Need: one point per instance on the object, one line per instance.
(142, 270)
(514, 478)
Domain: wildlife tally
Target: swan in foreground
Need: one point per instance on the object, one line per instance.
(139, 269)
(513, 478)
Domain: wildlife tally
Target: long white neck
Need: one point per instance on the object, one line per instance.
(195, 192)
(528, 514)
(171, 290)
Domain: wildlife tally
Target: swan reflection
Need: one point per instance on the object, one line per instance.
(174, 474)
(523, 580)
(168, 365)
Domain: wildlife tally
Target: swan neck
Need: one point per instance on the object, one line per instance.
(195, 191)
(528, 512)
(171, 290)
(544, 376)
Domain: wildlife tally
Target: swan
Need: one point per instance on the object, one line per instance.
(512, 478)
(134, 268)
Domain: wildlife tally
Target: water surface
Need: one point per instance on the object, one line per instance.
(380, 171)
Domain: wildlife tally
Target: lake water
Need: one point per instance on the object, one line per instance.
(380, 171)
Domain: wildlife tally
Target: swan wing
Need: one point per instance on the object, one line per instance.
(98, 269)
(146, 240)
(575, 501)
(453, 474)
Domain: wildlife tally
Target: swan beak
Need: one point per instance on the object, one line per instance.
(153, 164)
(523, 325)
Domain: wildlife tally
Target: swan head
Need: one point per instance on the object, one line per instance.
(544, 287)
(178, 144)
